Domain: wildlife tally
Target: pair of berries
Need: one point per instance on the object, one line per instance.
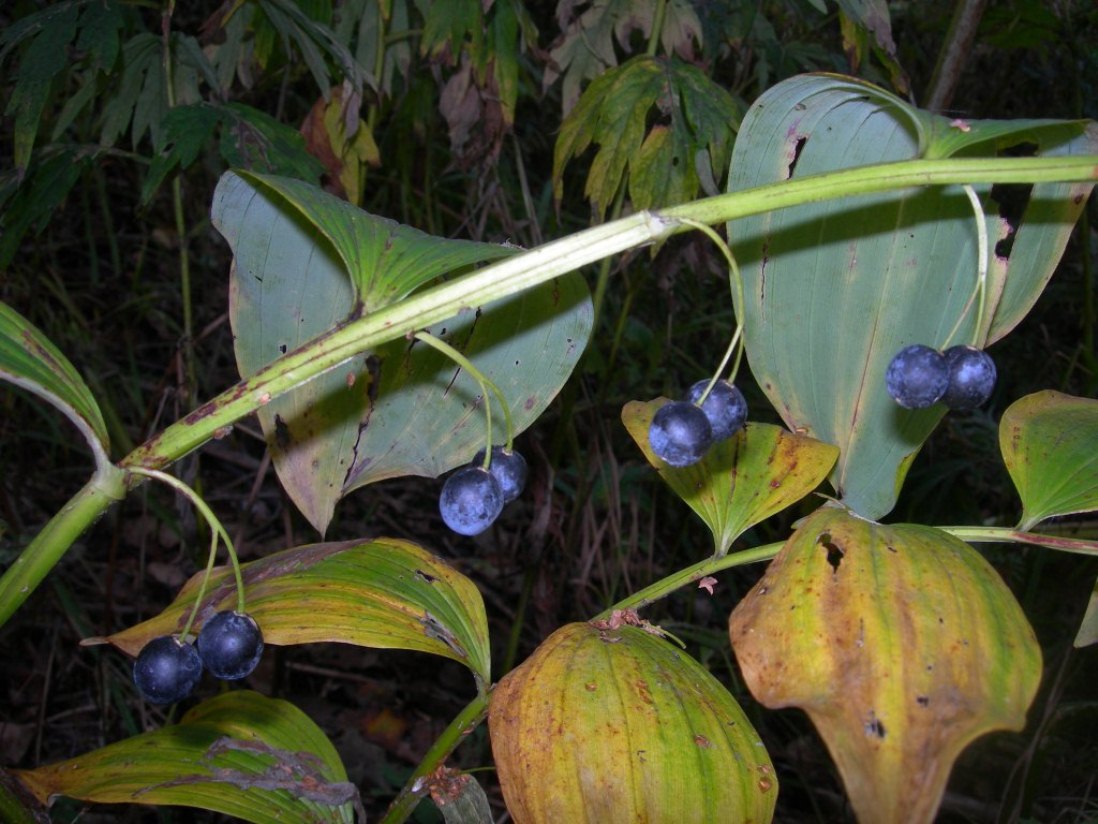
(682, 431)
(473, 497)
(168, 669)
(961, 377)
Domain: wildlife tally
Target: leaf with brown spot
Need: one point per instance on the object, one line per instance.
(242, 754)
(604, 724)
(900, 642)
(385, 593)
(741, 481)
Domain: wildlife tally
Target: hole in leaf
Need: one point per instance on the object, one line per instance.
(922, 700)
(798, 147)
(1012, 199)
(282, 348)
(875, 726)
(834, 551)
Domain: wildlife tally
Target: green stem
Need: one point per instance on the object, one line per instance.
(34, 563)
(509, 277)
(657, 28)
(980, 290)
(522, 272)
(676, 580)
(216, 529)
(1002, 534)
(412, 792)
(485, 385)
(180, 220)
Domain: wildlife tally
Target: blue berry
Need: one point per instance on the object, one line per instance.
(230, 644)
(680, 433)
(471, 500)
(917, 377)
(724, 406)
(971, 377)
(167, 670)
(509, 470)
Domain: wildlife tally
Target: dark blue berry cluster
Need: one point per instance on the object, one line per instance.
(168, 669)
(961, 377)
(682, 431)
(473, 497)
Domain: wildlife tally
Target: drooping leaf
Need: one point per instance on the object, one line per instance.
(638, 731)
(48, 34)
(873, 18)
(403, 409)
(834, 290)
(900, 642)
(29, 206)
(693, 116)
(585, 48)
(241, 754)
(1049, 442)
(1088, 628)
(141, 56)
(459, 797)
(31, 361)
(743, 480)
(385, 593)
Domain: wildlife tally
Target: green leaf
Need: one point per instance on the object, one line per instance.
(30, 360)
(834, 290)
(186, 132)
(398, 410)
(31, 205)
(242, 754)
(43, 59)
(384, 593)
(140, 56)
(1049, 442)
(384, 259)
(459, 797)
(446, 24)
(743, 480)
(1088, 628)
(692, 115)
(585, 49)
(252, 139)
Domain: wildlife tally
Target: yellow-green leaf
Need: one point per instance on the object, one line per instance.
(741, 481)
(31, 361)
(242, 754)
(900, 642)
(608, 722)
(1049, 442)
(384, 593)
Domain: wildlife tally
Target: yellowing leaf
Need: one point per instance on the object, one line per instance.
(741, 481)
(900, 642)
(692, 116)
(384, 593)
(608, 722)
(1049, 442)
(242, 754)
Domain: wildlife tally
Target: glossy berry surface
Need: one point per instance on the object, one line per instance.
(509, 470)
(167, 670)
(680, 433)
(230, 645)
(917, 377)
(972, 376)
(471, 500)
(724, 406)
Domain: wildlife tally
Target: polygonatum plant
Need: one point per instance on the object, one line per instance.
(849, 213)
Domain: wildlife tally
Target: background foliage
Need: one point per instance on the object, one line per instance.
(496, 121)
